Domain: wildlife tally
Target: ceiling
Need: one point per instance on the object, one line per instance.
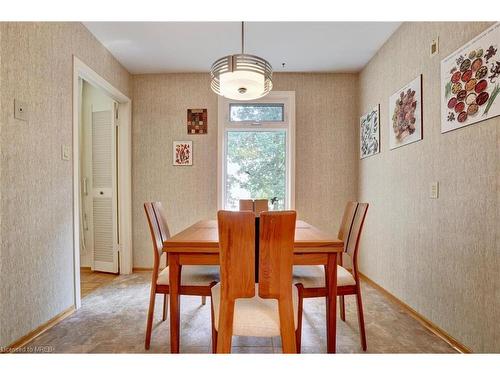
(161, 47)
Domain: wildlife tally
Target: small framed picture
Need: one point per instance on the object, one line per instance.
(405, 114)
(369, 133)
(197, 121)
(182, 153)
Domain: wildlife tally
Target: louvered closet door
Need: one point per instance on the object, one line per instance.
(104, 203)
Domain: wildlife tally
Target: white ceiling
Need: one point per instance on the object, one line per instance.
(160, 47)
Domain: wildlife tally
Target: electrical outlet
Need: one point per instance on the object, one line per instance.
(20, 110)
(65, 152)
(434, 191)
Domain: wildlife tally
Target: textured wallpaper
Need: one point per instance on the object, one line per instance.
(326, 143)
(36, 225)
(160, 104)
(440, 256)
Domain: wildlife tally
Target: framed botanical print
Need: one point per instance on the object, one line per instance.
(369, 133)
(470, 82)
(183, 153)
(405, 114)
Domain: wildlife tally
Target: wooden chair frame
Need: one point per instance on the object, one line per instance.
(350, 232)
(255, 205)
(159, 233)
(237, 236)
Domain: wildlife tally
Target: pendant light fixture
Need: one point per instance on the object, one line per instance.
(241, 76)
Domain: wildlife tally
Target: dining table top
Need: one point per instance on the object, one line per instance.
(203, 236)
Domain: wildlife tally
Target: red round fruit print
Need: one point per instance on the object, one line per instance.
(459, 107)
(452, 102)
(462, 117)
(456, 76)
(481, 86)
(467, 75)
(482, 98)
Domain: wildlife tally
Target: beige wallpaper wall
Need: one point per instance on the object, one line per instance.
(326, 143)
(441, 257)
(160, 104)
(36, 226)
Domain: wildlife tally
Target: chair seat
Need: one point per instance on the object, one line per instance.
(256, 316)
(192, 275)
(314, 276)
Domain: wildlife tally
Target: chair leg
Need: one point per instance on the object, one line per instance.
(287, 327)
(203, 300)
(214, 331)
(225, 326)
(342, 307)
(298, 332)
(361, 319)
(165, 306)
(149, 325)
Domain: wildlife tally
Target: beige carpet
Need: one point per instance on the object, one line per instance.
(113, 319)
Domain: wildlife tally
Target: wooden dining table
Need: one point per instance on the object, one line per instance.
(199, 245)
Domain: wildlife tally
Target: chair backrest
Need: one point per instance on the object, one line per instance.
(260, 205)
(355, 235)
(346, 224)
(237, 254)
(246, 205)
(155, 234)
(276, 242)
(162, 220)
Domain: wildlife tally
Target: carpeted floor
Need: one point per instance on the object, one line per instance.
(113, 319)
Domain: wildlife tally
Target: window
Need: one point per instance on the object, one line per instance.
(256, 112)
(257, 151)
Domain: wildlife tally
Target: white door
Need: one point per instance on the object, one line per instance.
(103, 191)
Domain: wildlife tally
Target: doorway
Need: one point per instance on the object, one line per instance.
(101, 181)
(98, 188)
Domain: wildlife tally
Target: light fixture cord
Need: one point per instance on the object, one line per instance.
(242, 37)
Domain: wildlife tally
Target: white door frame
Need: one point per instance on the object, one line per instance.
(82, 70)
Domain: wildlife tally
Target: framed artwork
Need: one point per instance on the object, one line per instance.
(369, 133)
(183, 153)
(405, 114)
(470, 82)
(197, 121)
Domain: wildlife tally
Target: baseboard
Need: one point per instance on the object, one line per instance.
(426, 323)
(141, 269)
(23, 341)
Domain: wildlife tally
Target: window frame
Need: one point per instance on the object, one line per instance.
(287, 98)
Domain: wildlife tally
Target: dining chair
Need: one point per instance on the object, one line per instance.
(195, 280)
(313, 277)
(260, 205)
(246, 204)
(240, 307)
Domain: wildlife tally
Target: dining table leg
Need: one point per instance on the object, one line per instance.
(174, 282)
(331, 302)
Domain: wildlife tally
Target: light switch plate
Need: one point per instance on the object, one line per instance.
(434, 192)
(20, 110)
(434, 47)
(65, 152)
